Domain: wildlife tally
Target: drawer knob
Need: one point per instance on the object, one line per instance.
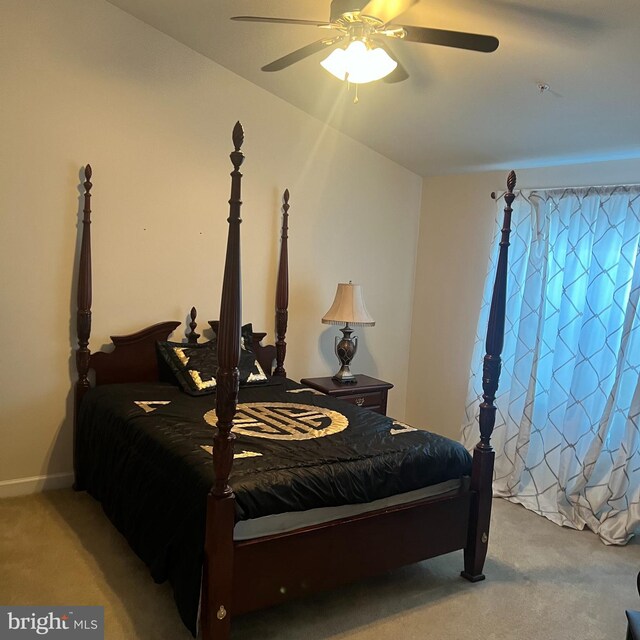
(359, 401)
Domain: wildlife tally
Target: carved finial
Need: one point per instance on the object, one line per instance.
(285, 214)
(88, 172)
(192, 336)
(511, 181)
(237, 157)
(238, 136)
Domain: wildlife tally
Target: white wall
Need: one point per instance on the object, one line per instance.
(85, 82)
(456, 230)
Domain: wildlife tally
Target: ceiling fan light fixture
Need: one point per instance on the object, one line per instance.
(359, 63)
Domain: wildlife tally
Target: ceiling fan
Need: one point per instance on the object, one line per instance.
(364, 27)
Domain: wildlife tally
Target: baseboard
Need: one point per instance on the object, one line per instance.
(35, 484)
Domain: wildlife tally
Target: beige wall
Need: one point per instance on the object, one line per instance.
(85, 82)
(453, 250)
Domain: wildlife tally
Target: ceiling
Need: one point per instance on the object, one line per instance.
(459, 110)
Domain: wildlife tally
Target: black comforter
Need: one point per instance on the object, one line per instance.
(144, 451)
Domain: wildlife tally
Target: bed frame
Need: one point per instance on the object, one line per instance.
(252, 574)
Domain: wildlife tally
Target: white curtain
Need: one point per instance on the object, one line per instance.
(567, 434)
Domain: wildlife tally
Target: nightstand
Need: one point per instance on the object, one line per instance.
(366, 392)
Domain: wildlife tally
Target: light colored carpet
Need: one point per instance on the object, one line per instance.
(542, 582)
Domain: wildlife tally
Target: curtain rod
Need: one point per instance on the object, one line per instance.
(495, 196)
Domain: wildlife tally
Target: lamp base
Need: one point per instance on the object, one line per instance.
(345, 350)
(344, 376)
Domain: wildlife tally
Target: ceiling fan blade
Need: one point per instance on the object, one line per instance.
(299, 54)
(311, 23)
(456, 39)
(386, 10)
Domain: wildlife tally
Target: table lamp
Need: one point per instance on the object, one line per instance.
(348, 308)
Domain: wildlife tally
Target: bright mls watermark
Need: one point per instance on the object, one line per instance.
(79, 623)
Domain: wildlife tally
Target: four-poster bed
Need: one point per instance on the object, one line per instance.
(413, 497)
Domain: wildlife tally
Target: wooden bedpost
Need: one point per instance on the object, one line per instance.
(483, 455)
(282, 291)
(218, 561)
(83, 315)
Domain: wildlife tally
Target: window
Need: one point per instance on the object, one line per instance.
(567, 433)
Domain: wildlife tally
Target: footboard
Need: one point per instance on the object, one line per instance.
(275, 569)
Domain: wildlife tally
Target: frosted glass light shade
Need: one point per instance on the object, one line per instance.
(358, 63)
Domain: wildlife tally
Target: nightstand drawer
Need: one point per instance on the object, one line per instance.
(367, 400)
(366, 392)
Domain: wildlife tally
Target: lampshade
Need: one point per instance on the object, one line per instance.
(359, 63)
(348, 307)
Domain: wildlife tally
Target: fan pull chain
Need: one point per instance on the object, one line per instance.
(346, 79)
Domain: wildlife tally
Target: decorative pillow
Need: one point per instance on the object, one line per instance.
(246, 337)
(250, 370)
(246, 334)
(195, 366)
